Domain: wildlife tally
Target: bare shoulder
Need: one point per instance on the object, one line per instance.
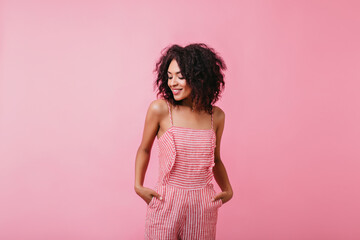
(158, 108)
(219, 114)
(219, 120)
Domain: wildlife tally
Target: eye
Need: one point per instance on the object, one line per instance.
(181, 77)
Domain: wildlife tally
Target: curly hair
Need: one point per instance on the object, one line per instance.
(202, 68)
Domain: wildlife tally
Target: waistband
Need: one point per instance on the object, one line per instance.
(167, 185)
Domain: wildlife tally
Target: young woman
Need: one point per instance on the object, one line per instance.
(188, 127)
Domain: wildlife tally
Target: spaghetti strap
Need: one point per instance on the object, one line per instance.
(169, 112)
(212, 120)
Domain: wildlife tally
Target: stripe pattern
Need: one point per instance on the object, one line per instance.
(194, 158)
(182, 214)
(186, 160)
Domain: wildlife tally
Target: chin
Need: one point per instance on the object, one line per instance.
(178, 98)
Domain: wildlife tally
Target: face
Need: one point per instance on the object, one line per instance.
(177, 83)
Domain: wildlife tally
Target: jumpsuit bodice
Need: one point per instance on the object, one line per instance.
(186, 156)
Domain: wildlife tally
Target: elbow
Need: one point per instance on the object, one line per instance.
(217, 160)
(145, 150)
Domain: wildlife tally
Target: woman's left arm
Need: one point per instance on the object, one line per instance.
(219, 170)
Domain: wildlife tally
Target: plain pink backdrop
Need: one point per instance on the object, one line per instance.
(76, 81)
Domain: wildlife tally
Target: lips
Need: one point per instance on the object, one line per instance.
(176, 91)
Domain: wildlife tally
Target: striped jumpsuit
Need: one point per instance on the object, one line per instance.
(186, 160)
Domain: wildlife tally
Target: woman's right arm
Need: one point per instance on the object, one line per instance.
(151, 127)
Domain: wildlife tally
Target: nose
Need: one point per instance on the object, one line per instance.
(173, 81)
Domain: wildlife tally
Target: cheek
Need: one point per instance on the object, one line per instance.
(188, 91)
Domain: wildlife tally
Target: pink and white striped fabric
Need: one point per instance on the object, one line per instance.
(186, 160)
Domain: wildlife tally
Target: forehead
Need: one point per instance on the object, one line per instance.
(173, 67)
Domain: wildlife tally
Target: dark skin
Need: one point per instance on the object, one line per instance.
(157, 122)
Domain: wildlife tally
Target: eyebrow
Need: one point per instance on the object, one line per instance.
(176, 72)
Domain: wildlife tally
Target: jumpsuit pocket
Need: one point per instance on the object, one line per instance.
(154, 199)
(220, 202)
(151, 201)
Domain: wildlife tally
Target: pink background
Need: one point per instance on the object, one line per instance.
(76, 81)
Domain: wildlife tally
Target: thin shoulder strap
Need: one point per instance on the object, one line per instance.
(169, 112)
(212, 120)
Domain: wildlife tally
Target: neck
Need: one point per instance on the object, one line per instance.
(187, 102)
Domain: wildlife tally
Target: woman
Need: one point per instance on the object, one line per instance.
(184, 204)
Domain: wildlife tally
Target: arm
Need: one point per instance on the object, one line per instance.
(152, 123)
(219, 170)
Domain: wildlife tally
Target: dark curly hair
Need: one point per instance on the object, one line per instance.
(202, 68)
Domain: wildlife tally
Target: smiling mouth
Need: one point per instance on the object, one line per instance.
(176, 91)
